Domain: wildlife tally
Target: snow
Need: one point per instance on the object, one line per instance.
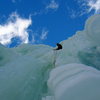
(37, 72)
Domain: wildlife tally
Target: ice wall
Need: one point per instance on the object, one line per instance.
(37, 72)
(77, 75)
(84, 46)
(24, 72)
(74, 82)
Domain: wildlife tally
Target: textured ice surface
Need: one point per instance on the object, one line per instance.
(24, 78)
(36, 72)
(84, 46)
(74, 82)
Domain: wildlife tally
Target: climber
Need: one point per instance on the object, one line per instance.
(59, 46)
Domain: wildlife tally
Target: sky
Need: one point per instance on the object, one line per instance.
(43, 21)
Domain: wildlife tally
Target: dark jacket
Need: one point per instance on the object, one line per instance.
(59, 46)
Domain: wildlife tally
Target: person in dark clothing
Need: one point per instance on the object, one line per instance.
(59, 46)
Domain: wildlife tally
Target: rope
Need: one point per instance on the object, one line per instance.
(55, 55)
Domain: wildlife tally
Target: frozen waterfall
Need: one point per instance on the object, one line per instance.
(37, 72)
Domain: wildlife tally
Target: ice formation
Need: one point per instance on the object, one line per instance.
(37, 72)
